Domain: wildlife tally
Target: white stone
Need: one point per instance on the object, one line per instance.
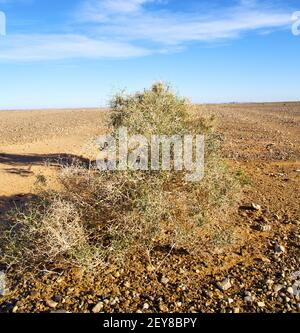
(146, 306)
(51, 303)
(224, 285)
(98, 307)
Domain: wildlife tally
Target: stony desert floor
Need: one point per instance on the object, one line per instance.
(260, 140)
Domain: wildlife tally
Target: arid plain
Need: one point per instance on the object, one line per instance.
(260, 141)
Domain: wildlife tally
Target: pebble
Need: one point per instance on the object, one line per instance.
(261, 304)
(277, 217)
(255, 206)
(265, 228)
(51, 303)
(248, 299)
(15, 309)
(146, 306)
(251, 206)
(224, 285)
(278, 287)
(98, 307)
(164, 280)
(279, 248)
(163, 308)
(290, 290)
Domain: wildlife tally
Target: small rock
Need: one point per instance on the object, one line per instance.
(279, 249)
(295, 275)
(290, 290)
(298, 306)
(51, 303)
(261, 304)
(277, 217)
(15, 309)
(98, 307)
(163, 308)
(224, 285)
(146, 306)
(278, 287)
(252, 206)
(164, 280)
(255, 206)
(236, 310)
(265, 228)
(248, 299)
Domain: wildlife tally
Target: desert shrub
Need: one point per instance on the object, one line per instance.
(49, 234)
(98, 218)
(154, 111)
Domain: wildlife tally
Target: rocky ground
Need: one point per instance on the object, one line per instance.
(258, 273)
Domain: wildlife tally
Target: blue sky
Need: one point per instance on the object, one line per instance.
(77, 53)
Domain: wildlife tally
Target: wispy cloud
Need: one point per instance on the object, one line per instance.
(117, 28)
(55, 47)
(167, 27)
(102, 10)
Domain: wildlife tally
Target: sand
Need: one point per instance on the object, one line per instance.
(30, 139)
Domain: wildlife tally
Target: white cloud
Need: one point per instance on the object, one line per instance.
(167, 27)
(55, 47)
(118, 27)
(101, 10)
(179, 29)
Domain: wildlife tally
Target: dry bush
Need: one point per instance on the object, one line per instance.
(49, 234)
(105, 217)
